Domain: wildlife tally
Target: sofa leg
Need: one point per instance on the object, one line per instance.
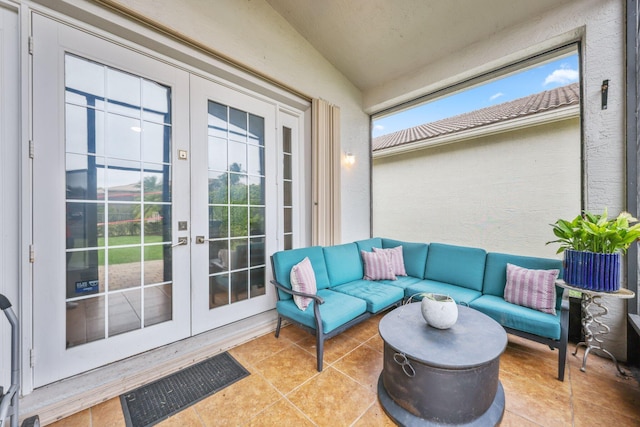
(562, 362)
(319, 351)
(278, 326)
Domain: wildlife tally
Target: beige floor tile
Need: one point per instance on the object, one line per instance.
(285, 388)
(517, 360)
(536, 402)
(376, 343)
(80, 419)
(509, 419)
(238, 403)
(597, 364)
(186, 418)
(293, 333)
(282, 413)
(334, 348)
(374, 417)
(365, 330)
(288, 369)
(108, 414)
(332, 399)
(364, 364)
(260, 348)
(601, 415)
(602, 389)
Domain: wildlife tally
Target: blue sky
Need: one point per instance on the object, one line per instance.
(544, 77)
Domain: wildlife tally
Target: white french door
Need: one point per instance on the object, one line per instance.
(154, 203)
(233, 149)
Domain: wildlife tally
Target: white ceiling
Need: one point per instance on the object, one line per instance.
(374, 41)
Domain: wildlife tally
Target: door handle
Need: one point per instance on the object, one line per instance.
(201, 239)
(181, 241)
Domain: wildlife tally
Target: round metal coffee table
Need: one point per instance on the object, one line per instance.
(438, 377)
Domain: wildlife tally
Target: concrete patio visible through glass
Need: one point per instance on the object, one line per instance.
(284, 388)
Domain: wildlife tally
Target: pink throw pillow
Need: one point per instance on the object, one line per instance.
(396, 259)
(303, 279)
(531, 288)
(377, 266)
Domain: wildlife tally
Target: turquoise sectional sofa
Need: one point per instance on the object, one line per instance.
(471, 276)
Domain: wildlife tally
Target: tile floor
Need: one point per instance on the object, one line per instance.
(284, 388)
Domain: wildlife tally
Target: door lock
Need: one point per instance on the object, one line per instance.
(181, 241)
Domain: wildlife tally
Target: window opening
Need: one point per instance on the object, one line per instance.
(526, 79)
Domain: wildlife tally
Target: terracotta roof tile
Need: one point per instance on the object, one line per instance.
(544, 101)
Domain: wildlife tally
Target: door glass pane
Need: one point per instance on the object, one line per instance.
(157, 304)
(118, 201)
(287, 187)
(236, 181)
(125, 311)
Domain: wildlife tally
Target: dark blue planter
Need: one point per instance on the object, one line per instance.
(592, 271)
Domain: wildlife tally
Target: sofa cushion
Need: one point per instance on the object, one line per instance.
(459, 294)
(377, 266)
(414, 255)
(517, 317)
(531, 288)
(377, 295)
(401, 281)
(368, 244)
(338, 309)
(343, 263)
(284, 261)
(495, 274)
(303, 280)
(395, 259)
(457, 265)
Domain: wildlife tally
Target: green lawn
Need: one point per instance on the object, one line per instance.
(131, 254)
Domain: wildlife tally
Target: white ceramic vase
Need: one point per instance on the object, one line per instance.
(440, 311)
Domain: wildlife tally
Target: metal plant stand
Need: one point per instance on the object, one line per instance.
(594, 328)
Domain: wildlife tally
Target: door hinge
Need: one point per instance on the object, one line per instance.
(30, 42)
(31, 149)
(32, 254)
(32, 357)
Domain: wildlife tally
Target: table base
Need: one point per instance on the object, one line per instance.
(594, 328)
(402, 417)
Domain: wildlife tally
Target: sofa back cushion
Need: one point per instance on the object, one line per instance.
(343, 263)
(284, 261)
(457, 265)
(413, 254)
(368, 244)
(495, 274)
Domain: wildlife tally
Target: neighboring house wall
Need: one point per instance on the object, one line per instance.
(498, 192)
(599, 24)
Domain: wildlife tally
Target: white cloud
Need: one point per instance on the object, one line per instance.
(562, 76)
(495, 96)
(378, 128)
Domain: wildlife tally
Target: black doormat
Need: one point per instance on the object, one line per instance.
(150, 404)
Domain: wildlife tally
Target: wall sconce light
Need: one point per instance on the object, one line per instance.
(349, 158)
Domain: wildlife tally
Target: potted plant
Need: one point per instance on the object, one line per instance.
(592, 246)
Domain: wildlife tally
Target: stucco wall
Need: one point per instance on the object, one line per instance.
(599, 24)
(253, 34)
(497, 192)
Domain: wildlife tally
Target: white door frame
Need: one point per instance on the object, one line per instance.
(53, 360)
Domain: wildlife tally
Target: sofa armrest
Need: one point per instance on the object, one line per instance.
(565, 300)
(316, 298)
